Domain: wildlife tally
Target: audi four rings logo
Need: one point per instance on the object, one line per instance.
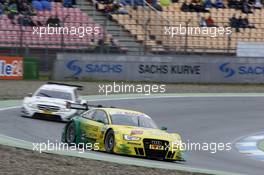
(228, 71)
(156, 142)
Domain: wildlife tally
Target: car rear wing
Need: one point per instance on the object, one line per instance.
(64, 84)
(84, 106)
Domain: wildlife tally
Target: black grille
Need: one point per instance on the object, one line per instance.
(48, 108)
(140, 151)
(136, 150)
(155, 154)
(170, 154)
(47, 117)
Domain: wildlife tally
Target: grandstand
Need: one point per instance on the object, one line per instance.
(138, 30)
(156, 40)
(15, 34)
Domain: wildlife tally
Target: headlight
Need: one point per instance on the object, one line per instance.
(131, 138)
(32, 105)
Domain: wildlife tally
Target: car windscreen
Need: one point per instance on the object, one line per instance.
(54, 94)
(133, 120)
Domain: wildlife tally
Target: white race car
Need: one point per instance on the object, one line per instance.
(49, 102)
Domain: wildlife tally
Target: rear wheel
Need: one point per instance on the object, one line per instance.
(70, 134)
(110, 141)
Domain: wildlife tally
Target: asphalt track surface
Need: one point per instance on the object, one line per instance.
(199, 119)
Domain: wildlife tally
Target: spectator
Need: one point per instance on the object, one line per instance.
(108, 8)
(202, 22)
(101, 42)
(92, 44)
(122, 10)
(74, 2)
(207, 4)
(114, 47)
(210, 22)
(246, 8)
(245, 23)
(234, 23)
(20, 5)
(219, 4)
(37, 5)
(26, 20)
(46, 5)
(1, 9)
(258, 4)
(119, 9)
(25, 8)
(163, 3)
(197, 6)
(113, 43)
(158, 7)
(53, 21)
(12, 6)
(240, 22)
(108, 1)
(185, 7)
(12, 11)
(235, 4)
(67, 3)
(138, 2)
(116, 6)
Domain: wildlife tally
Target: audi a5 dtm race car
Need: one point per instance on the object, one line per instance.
(48, 102)
(121, 131)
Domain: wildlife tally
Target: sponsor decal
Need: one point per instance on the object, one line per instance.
(74, 67)
(169, 69)
(242, 70)
(229, 72)
(78, 68)
(133, 143)
(11, 68)
(135, 132)
(156, 142)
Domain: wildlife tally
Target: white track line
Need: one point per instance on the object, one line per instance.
(8, 108)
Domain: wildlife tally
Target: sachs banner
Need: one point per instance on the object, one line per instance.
(11, 68)
(171, 69)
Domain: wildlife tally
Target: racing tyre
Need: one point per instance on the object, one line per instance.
(110, 141)
(70, 135)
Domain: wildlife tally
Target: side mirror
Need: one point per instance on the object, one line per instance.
(29, 95)
(163, 128)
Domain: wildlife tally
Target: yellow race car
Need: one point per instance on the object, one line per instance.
(121, 131)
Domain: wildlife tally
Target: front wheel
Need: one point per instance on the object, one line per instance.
(70, 135)
(110, 141)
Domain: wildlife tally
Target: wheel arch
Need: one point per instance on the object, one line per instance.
(77, 130)
(109, 129)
